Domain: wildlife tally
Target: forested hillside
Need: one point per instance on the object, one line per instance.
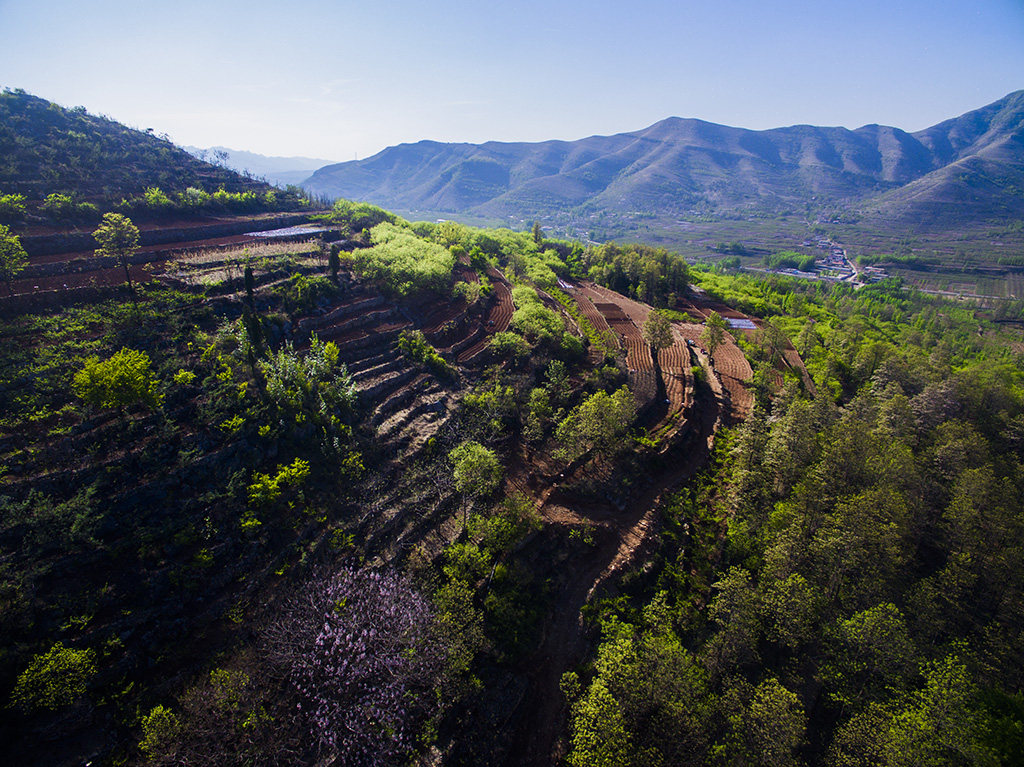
(67, 166)
(843, 586)
(471, 496)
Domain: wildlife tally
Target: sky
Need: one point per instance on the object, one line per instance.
(337, 80)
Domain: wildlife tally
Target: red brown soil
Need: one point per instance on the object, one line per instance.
(79, 274)
(625, 318)
(498, 318)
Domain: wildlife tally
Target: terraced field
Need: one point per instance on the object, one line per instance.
(497, 319)
(626, 317)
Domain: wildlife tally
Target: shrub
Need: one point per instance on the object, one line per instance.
(477, 469)
(599, 422)
(12, 207)
(510, 346)
(303, 293)
(13, 258)
(265, 489)
(360, 215)
(193, 198)
(59, 207)
(414, 346)
(532, 319)
(160, 729)
(314, 389)
(54, 679)
(403, 263)
(122, 381)
(156, 199)
(360, 649)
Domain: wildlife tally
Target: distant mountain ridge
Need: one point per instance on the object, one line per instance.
(277, 170)
(968, 166)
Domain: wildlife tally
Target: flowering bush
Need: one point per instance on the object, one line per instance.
(361, 651)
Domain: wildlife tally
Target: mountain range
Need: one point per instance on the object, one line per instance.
(276, 170)
(969, 169)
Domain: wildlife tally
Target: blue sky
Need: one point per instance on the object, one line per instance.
(341, 79)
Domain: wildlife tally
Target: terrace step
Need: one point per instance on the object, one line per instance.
(387, 366)
(363, 343)
(378, 389)
(351, 308)
(359, 362)
(368, 319)
(419, 386)
(427, 403)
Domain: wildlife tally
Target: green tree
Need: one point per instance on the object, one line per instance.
(557, 383)
(600, 737)
(774, 725)
(599, 422)
(12, 207)
(334, 263)
(772, 341)
(868, 654)
(657, 332)
(13, 258)
(477, 469)
(54, 679)
(160, 730)
(118, 237)
(450, 233)
(122, 381)
(59, 207)
(538, 234)
(714, 332)
(941, 724)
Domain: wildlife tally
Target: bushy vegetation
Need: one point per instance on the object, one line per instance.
(197, 560)
(532, 319)
(124, 380)
(69, 166)
(55, 679)
(598, 423)
(907, 260)
(789, 259)
(404, 263)
(653, 275)
(13, 258)
(414, 345)
(837, 590)
(358, 216)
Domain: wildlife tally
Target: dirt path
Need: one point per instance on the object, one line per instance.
(621, 537)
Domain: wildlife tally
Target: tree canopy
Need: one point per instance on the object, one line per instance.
(124, 380)
(13, 258)
(599, 423)
(477, 470)
(403, 262)
(714, 332)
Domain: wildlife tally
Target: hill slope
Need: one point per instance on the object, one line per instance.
(45, 149)
(682, 165)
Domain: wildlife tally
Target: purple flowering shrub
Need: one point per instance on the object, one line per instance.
(361, 651)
